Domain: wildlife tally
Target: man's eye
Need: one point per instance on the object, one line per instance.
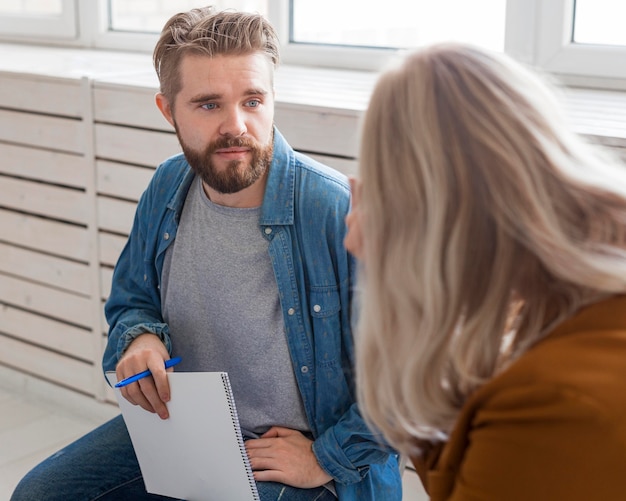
(209, 106)
(253, 103)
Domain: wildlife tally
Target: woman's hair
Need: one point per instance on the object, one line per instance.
(486, 221)
(212, 33)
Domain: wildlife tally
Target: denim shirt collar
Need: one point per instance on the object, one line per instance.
(277, 208)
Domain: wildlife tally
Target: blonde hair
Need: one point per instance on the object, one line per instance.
(482, 213)
(209, 32)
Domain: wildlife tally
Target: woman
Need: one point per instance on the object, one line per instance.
(492, 334)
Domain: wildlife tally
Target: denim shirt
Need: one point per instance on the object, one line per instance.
(302, 217)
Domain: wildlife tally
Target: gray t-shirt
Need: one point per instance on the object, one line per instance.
(221, 302)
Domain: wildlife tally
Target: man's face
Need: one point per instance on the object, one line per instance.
(223, 116)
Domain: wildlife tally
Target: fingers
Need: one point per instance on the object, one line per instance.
(152, 392)
(286, 456)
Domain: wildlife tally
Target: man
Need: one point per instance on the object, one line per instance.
(235, 263)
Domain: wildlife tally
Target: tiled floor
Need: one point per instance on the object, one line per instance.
(38, 418)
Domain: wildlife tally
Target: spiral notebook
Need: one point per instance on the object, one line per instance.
(198, 454)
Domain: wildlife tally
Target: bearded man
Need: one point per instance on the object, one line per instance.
(235, 263)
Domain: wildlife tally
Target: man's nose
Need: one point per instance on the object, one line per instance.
(233, 124)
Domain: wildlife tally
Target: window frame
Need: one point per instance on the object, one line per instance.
(557, 52)
(25, 27)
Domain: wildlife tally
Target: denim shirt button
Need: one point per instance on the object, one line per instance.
(304, 369)
(291, 311)
(166, 236)
(268, 231)
(145, 277)
(317, 308)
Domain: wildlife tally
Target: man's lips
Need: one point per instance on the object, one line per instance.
(233, 153)
(232, 150)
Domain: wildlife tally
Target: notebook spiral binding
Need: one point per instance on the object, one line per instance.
(240, 441)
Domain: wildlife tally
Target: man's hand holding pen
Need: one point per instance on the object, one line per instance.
(151, 393)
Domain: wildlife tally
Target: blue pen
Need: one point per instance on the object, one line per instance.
(131, 379)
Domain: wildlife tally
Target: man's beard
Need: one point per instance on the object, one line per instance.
(231, 179)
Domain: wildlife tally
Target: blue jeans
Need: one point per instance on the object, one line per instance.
(102, 466)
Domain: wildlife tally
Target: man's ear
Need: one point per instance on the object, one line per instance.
(164, 105)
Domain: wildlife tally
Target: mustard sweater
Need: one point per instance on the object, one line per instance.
(552, 426)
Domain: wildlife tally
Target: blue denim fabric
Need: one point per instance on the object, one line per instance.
(302, 217)
(102, 466)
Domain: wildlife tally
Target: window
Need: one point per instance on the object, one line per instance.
(600, 22)
(149, 17)
(582, 39)
(401, 24)
(573, 38)
(22, 19)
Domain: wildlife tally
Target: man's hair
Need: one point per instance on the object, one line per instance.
(486, 221)
(205, 31)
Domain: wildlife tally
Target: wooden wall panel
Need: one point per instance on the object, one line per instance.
(121, 180)
(115, 215)
(44, 165)
(48, 333)
(106, 279)
(42, 131)
(41, 95)
(317, 131)
(134, 107)
(45, 269)
(134, 146)
(53, 366)
(49, 236)
(44, 199)
(39, 299)
(110, 247)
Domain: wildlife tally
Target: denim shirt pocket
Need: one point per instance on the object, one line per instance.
(325, 308)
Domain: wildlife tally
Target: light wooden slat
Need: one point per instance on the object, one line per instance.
(46, 332)
(46, 301)
(135, 146)
(45, 269)
(106, 279)
(123, 181)
(104, 324)
(110, 248)
(48, 270)
(46, 200)
(47, 364)
(134, 107)
(61, 134)
(318, 131)
(41, 95)
(343, 165)
(115, 215)
(324, 88)
(43, 165)
(41, 234)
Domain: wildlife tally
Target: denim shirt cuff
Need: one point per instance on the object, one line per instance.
(159, 330)
(334, 461)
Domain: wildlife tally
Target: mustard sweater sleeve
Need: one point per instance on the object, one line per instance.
(538, 442)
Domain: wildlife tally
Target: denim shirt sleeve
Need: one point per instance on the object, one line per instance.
(134, 305)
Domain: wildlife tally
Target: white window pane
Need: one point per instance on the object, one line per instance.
(600, 22)
(31, 7)
(398, 23)
(150, 15)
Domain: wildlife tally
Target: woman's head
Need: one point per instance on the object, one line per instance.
(474, 196)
